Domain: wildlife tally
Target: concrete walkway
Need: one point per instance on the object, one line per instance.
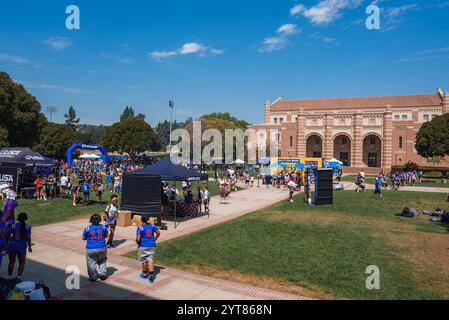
(59, 246)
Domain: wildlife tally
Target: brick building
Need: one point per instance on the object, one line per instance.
(365, 132)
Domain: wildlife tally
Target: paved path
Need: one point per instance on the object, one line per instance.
(58, 246)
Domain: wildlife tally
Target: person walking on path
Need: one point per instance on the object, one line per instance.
(146, 238)
(111, 218)
(96, 251)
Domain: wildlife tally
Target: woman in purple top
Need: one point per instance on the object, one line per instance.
(8, 209)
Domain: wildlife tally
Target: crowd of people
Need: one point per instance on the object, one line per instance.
(83, 177)
(393, 181)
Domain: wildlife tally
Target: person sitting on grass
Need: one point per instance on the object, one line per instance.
(378, 189)
(20, 241)
(96, 251)
(146, 238)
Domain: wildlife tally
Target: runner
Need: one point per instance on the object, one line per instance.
(146, 237)
(378, 190)
(19, 243)
(39, 184)
(86, 192)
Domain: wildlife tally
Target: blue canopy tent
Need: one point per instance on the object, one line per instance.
(169, 171)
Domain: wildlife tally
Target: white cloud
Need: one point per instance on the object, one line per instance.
(58, 43)
(187, 49)
(279, 41)
(393, 15)
(271, 44)
(299, 8)
(397, 11)
(288, 29)
(126, 61)
(53, 87)
(325, 11)
(13, 59)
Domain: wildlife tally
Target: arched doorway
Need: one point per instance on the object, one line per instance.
(342, 149)
(314, 147)
(372, 151)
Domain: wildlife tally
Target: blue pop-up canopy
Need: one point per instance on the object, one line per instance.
(173, 172)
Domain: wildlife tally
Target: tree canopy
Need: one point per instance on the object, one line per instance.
(127, 113)
(432, 140)
(21, 120)
(71, 119)
(132, 136)
(55, 140)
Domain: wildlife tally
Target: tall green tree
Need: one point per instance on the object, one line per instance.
(71, 118)
(163, 129)
(127, 113)
(432, 140)
(90, 134)
(55, 140)
(20, 114)
(3, 138)
(132, 136)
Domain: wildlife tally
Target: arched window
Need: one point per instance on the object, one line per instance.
(401, 142)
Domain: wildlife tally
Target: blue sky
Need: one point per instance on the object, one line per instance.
(219, 55)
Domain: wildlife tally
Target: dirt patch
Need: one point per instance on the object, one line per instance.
(258, 281)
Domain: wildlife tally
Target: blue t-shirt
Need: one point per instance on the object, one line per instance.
(86, 187)
(378, 184)
(96, 236)
(18, 242)
(108, 178)
(147, 233)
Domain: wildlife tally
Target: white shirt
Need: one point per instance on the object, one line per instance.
(64, 181)
(206, 195)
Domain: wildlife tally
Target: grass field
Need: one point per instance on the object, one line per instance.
(323, 252)
(61, 209)
(426, 182)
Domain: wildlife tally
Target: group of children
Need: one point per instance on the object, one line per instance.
(99, 237)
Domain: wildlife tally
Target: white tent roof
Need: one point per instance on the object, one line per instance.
(335, 160)
(239, 161)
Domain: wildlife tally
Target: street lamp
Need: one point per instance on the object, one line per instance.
(171, 105)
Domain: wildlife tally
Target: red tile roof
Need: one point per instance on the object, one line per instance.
(362, 102)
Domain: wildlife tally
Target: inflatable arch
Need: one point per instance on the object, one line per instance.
(74, 147)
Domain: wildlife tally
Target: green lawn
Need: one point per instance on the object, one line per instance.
(425, 183)
(324, 251)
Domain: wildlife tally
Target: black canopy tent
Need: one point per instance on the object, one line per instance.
(14, 160)
(167, 170)
(142, 194)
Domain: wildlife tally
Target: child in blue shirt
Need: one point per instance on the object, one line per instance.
(20, 241)
(95, 236)
(86, 191)
(146, 238)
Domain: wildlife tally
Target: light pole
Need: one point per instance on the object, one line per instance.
(171, 105)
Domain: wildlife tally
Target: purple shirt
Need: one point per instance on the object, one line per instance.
(10, 205)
